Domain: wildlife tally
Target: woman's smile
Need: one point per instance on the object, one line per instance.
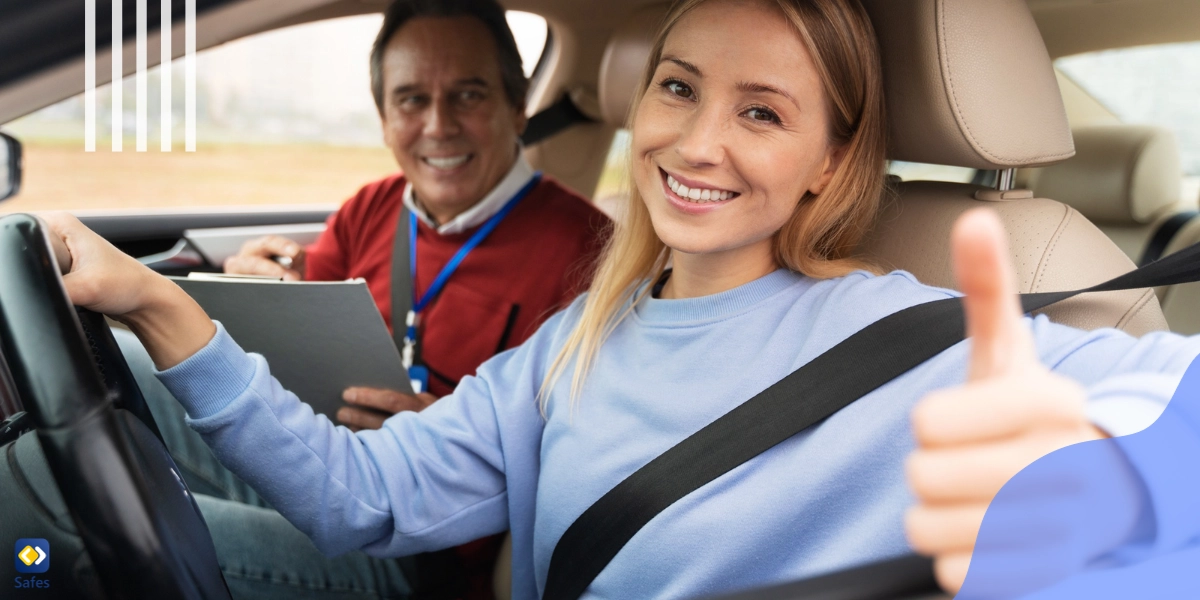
(692, 196)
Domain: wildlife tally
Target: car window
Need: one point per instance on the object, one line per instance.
(285, 117)
(613, 186)
(1152, 85)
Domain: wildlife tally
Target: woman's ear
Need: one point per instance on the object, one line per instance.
(833, 159)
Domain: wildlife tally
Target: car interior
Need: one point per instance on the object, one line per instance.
(969, 84)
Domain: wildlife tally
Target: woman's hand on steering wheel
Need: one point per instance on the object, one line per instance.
(100, 277)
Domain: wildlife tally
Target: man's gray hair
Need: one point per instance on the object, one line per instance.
(489, 12)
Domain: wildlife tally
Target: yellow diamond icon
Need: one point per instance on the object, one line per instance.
(28, 555)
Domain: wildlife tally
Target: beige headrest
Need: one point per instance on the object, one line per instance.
(968, 82)
(1120, 175)
(625, 59)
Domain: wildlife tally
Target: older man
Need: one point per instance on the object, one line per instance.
(449, 86)
(495, 248)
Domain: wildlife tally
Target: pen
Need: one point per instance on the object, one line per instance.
(284, 261)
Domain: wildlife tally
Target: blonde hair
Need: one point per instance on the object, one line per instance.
(818, 239)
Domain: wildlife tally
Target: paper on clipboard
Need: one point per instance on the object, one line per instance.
(319, 338)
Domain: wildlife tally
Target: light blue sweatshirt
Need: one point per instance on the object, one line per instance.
(484, 459)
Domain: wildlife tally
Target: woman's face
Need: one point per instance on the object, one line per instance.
(732, 131)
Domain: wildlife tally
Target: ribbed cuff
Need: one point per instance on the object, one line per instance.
(210, 379)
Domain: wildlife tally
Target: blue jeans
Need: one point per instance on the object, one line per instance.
(262, 555)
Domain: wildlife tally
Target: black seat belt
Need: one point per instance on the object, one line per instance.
(1162, 238)
(858, 365)
(553, 119)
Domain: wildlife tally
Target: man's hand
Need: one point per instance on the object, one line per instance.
(371, 406)
(257, 257)
(1012, 410)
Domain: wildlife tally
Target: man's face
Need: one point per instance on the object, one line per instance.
(445, 115)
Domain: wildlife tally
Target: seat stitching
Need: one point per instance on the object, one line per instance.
(958, 116)
(1049, 253)
(1136, 309)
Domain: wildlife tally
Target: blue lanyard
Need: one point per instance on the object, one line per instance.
(440, 281)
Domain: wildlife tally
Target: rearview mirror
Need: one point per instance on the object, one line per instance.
(10, 166)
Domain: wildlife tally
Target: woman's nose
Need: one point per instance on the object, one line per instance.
(701, 140)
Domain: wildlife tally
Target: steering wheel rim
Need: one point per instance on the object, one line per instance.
(137, 519)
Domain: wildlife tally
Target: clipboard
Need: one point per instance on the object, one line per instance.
(318, 337)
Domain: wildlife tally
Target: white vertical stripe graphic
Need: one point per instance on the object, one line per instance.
(190, 73)
(89, 76)
(118, 29)
(141, 75)
(165, 109)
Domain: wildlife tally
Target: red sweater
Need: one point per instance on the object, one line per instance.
(535, 262)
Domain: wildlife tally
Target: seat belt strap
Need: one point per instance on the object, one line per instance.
(402, 284)
(552, 120)
(858, 365)
(1163, 236)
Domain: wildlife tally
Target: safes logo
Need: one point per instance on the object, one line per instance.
(32, 555)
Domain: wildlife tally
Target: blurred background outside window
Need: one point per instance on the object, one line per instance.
(284, 117)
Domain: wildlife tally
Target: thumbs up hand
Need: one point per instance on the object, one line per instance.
(1011, 411)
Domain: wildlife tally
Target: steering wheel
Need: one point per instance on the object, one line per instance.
(137, 519)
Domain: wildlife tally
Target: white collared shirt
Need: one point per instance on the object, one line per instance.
(519, 175)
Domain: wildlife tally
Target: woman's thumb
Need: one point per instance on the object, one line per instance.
(1001, 343)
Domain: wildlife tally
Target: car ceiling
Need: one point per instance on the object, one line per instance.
(581, 27)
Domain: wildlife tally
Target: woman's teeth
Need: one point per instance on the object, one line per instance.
(696, 194)
(447, 162)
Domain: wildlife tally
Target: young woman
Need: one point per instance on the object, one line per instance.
(757, 160)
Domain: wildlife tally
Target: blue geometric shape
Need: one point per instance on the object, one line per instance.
(1111, 518)
(32, 555)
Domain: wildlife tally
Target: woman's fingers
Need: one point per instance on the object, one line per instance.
(939, 530)
(993, 410)
(951, 570)
(55, 225)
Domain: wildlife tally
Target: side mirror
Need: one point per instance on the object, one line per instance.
(10, 166)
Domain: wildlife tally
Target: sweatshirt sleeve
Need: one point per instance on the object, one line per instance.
(424, 481)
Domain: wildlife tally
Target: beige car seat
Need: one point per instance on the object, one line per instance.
(1124, 178)
(969, 83)
(1181, 303)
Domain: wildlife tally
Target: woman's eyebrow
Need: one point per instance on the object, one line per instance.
(683, 64)
(750, 87)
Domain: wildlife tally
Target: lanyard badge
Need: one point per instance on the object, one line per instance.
(417, 374)
(410, 354)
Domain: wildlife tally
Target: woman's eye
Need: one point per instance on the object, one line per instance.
(679, 88)
(762, 115)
